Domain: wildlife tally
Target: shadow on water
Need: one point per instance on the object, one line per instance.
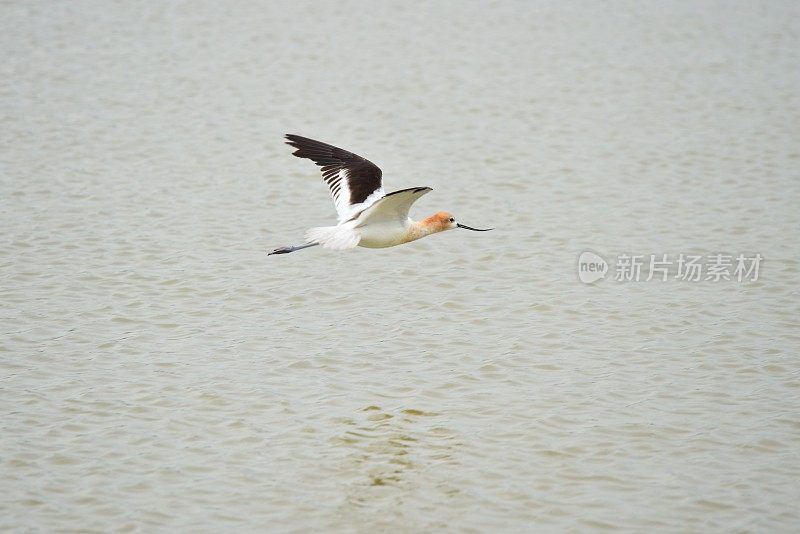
(389, 448)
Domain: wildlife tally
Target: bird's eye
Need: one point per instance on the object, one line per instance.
(452, 219)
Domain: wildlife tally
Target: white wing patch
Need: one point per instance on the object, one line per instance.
(393, 207)
(341, 198)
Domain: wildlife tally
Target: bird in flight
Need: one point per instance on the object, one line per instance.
(368, 217)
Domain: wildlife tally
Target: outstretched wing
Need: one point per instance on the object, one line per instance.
(355, 182)
(393, 207)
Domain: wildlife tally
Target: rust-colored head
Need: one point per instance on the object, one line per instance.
(439, 222)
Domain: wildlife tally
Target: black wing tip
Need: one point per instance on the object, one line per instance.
(302, 144)
(293, 140)
(309, 148)
(413, 189)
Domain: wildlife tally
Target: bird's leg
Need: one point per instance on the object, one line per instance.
(291, 248)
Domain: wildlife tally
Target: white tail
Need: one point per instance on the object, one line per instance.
(334, 237)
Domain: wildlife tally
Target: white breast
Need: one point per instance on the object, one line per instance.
(383, 235)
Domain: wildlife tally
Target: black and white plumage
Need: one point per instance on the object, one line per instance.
(368, 217)
(355, 183)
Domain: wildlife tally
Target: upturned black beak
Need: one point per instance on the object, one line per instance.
(465, 227)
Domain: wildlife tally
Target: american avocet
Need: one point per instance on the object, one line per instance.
(368, 217)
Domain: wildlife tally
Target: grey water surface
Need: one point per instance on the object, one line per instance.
(160, 373)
